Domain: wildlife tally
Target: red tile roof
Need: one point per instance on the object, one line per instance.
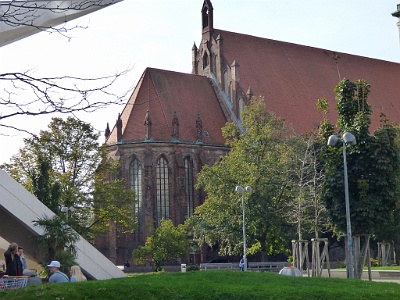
(164, 92)
(292, 77)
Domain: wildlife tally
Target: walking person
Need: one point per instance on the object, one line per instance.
(56, 274)
(241, 264)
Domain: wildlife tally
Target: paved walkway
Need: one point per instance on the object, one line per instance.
(377, 275)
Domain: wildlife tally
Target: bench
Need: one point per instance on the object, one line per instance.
(267, 266)
(218, 266)
(385, 274)
(251, 266)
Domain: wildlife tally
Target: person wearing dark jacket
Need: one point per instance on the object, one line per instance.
(13, 261)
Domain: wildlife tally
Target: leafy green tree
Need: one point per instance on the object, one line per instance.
(70, 148)
(166, 243)
(373, 169)
(373, 165)
(113, 202)
(260, 157)
(33, 170)
(61, 165)
(44, 188)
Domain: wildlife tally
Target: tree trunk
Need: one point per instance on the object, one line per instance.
(263, 243)
(360, 254)
(396, 243)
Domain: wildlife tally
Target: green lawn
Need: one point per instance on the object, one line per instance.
(211, 285)
(394, 268)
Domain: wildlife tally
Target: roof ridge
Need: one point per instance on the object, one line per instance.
(218, 31)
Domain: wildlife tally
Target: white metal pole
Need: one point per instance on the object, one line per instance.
(244, 234)
(349, 264)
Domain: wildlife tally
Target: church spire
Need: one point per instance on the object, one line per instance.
(194, 59)
(207, 18)
(107, 132)
(397, 15)
(119, 129)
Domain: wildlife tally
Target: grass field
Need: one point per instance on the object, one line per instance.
(211, 285)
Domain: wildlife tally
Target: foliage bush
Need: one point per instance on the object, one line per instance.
(166, 243)
(192, 267)
(374, 262)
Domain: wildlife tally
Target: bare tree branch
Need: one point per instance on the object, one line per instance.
(23, 94)
(36, 14)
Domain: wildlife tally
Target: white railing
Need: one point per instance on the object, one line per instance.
(252, 266)
(219, 266)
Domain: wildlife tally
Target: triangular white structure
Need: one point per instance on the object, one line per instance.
(18, 208)
(20, 19)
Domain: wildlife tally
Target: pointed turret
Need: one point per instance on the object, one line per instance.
(397, 15)
(107, 131)
(207, 19)
(119, 129)
(194, 59)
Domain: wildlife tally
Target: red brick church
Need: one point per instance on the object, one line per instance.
(171, 125)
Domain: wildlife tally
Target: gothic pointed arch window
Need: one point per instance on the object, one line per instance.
(189, 186)
(205, 60)
(162, 189)
(135, 183)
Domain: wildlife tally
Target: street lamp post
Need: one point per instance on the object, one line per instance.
(240, 189)
(347, 139)
(65, 210)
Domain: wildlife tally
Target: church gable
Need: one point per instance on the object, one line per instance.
(165, 107)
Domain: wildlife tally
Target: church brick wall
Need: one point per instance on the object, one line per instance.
(119, 246)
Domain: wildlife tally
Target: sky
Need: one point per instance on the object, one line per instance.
(160, 34)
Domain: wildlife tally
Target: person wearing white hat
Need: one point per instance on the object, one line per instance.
(56, 274)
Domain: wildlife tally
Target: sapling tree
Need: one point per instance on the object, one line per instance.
(166, 243)
(373, 167)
